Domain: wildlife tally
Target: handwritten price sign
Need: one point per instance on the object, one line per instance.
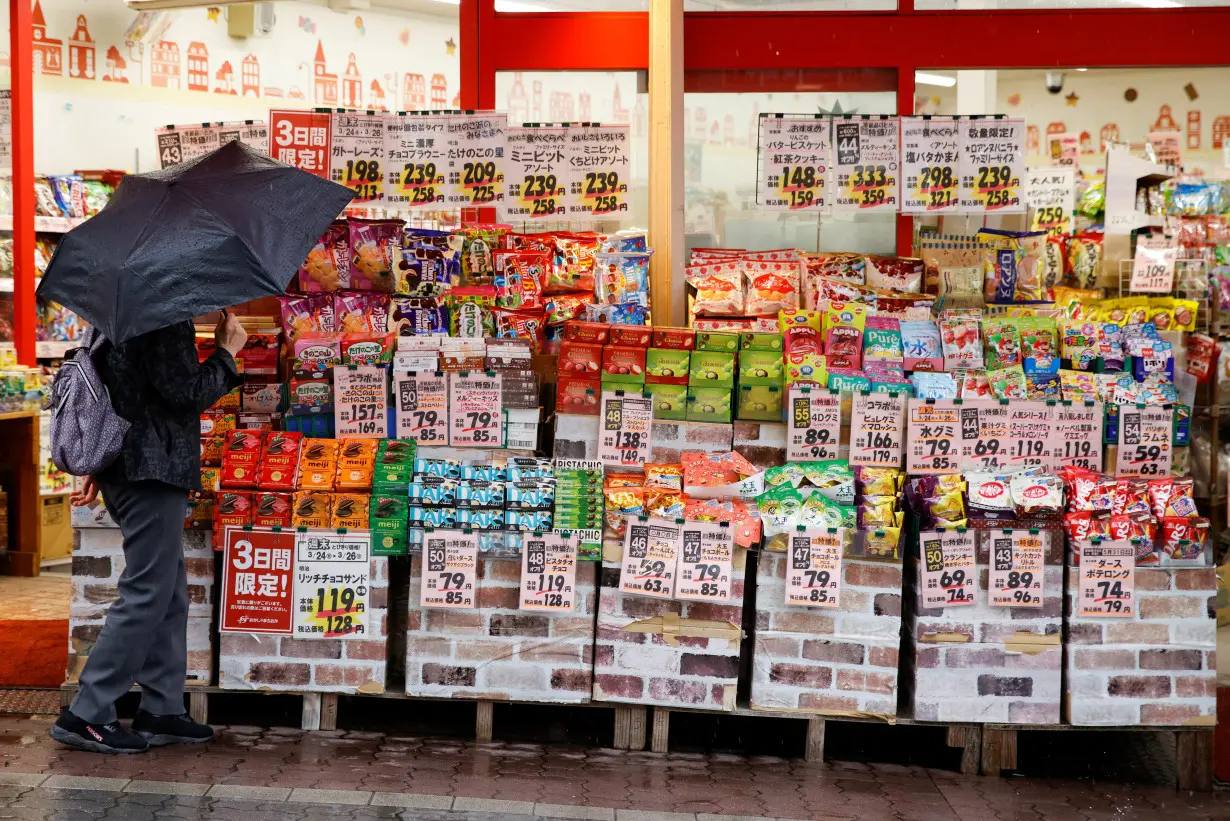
(1107, 579)
(932, 443)
(793, 160)
(877, 422)
(422, 407)
(813, 575)
(1145, 447)
(1017, 568)
(549, 572)
(992, 165)
(476, 403)
(358, 153)
(538, 169)
(651, 555)
(815, 425)
(930, 165)
(867, 164)
(627, 429)
(1153, 266)
(360, 396)
(949, 578)
(705, 562)
(450, 569)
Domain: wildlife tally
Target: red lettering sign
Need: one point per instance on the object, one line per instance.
(301, 139)
(257, 587)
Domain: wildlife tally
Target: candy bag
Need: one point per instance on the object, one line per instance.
(327, 267)
(771, 286)
(622, 278)
(373, 245)
(719, 288)
(470, 311)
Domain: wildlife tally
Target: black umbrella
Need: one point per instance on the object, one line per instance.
(204, 235)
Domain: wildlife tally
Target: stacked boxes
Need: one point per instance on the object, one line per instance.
(497, 651)
(828, 660)
(667, 368)
(978, 663)
(761, 395)
(1157, 667)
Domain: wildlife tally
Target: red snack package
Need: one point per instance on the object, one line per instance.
(520, 325)
(272, 509)
(561, 308)
(240, 458)
(1078, 524)
(279, 460)
(580, 331)
(579, 359)
(234, 509)
(578, 395)
(637, 336)
(1184, 538)
(1182, 501)
(1103, 496)
(572, 266)
(771, 286)
(519, 278)
(1159, 495)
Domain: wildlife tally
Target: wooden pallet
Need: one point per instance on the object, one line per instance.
(319, 709)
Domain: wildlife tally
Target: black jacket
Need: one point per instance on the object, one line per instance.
(157, 384)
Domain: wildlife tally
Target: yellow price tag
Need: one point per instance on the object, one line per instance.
(868, 185)
(364, 178)
(995, 187)
(478, 180)
(937, 184)
(603, 193)
(419, 180)
(541, 195)
(799, 184)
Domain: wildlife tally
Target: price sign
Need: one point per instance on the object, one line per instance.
(477, 160)
(930, 165)
(815, 425)
(1153, 266)
(357, 156)
(549, 572)
(998, 435)
(332, 584)
(813, 572)
(1016, 568)
(932, 445)
(416, 160)
(1167, 146)
(1144, 442)
(1076, 436)
(705, 562)
(1063, 150)
(651, 554)
(627, 428)
(257, 582)
(252, 133)
(360, 393)
(450, 569)
(476, 409)
(1050, 194)
(793, 163)
(992, 165)
(1107, 579)
(949, 578)
(181, 143)
(601, 169)
(301, 139)
(867, 164)
(537, 174)
(422, 407)
(877, 423)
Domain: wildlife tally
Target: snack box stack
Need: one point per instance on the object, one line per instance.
(579, 503)
(390, 511)
(761, 395)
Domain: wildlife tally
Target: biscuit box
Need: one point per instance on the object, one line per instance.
(241, 458)
(349, 511)
(389, 521)
(356, 464)
(636, 336)
(311, 509)
(272, 509)
(317, 464)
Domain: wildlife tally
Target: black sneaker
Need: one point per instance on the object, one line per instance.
(160, 731)
(110, 738)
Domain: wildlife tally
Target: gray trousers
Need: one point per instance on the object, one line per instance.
(145, 636)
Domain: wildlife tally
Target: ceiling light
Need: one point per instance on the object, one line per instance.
(1080, 69)
(934, 79)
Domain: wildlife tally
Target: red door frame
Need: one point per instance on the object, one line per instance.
(907, 39)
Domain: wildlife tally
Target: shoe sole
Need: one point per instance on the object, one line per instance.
(156, 740)
(89, 745)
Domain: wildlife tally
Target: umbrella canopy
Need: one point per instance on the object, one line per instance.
(204, 235)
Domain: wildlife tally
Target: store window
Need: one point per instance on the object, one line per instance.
(695, 5)
(607, 97)
(952, 5)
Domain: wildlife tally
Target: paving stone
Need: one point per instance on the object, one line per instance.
(574, 811)
(165, 787)
(84, 782)
(412, 800)
(306, 795)
(494, 805)
(248, 793)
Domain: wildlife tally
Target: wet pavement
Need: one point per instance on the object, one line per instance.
(284, 774)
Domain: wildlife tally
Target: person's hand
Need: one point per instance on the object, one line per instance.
(229, 334)
(87, 494)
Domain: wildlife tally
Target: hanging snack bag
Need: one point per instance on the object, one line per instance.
(469, 311)
(962, 344)
(772, 286)
(572, 262)
(719, 288)
(327, 267)
(418, 316)
(373, 246)
(882, 339)
(527, 325)
(622, 279)
(306, 315)
(361, 313)
(519, 278)
(561, 308)
(923, 351)
(424, 269)
(1020, 272)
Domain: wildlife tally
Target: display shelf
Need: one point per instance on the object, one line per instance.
(46, 225)
(54, 349)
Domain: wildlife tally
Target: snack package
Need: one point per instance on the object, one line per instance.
(955, 266)
(719, 288)
(470, 311)
(903, 274)
(1020, 270)
(801, 331)
(920, 341)
(307, 315)
(572, 261)
(771, 286)
(520, 278)
(527, 325)
(349, 511)
(1008, 383)
(272, 509)
(279, 460)
(356, 464)
(622, 279)
(373, 246)
(882, 339)
(418, 316)
(317, 464)
(1003, 346)
(962, 343)
(478, 245)
(311, 509)
(241, 458)
(327, 267)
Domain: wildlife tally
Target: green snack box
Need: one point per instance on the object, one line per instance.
(760, 403)
(717, 341)
(761, 368)
(389, 517)
(667, 367)
(754, 341)
(709, 405)
(394, 466)
(712, 369)
(669, 401)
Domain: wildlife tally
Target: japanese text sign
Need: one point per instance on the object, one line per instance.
(1050, 194)
(477, 160)
(360, 395)
(1154, 264)
(930, 165)
(626, 429)
(416, 160)
(793, 163)
(877, 427)
(421, 400)
(476, 408)
(549, 572)
(814, 429)
(1063, 150)
(651, 554)
(601, 169)
(1017, 568)
(1107, 584)
(931, 446)
(257, 584)
(813, 567)
(332, 584)
(992, 165)
(301, 139)
(1145, 446)
(1167, 146)
(866, 164)
(1076, 436)
(995, 434)
(356, 154)
(181, 143)
(705, 562)
(538, 174)
(450, 569)
(949, 578)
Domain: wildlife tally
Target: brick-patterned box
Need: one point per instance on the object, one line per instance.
(1158, 667)
(576, 437)
(98, 561)
(828, 660)
(688, 670)
(497, 651)
(253, 662)
(984, 664)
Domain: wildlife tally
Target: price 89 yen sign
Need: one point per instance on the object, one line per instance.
(815, 425)
(1016, 568)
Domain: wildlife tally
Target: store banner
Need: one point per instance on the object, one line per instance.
(932, 429)
(877, 428)
(651, 556)
(476, 407)
(538, 174)
(1154, 265)
(422, 407)
(416, 160)
(360, 401)
(866, 164)
(626, 431)
(601, 168)
(258, 594)
(1050, 194)
(792, 161)
(814, 427)
(1107, 585)
(332, 584)
(949, 578)
(478, 162)
(705, 562)
(930, 165)
(1145, 447)
(813, 572)
(1076, 437)
(450, 569)
(301, 139)
(549, 572)
(1016, 578)
(992, 166)
(357, 156)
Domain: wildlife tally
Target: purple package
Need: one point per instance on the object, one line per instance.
(373, 244)
(418, 316)
(361, 313)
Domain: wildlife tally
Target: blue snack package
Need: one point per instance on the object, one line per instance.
(529, 520)
(529, 467)
(474, 493)
(939, 385)
(1042, 378)
(482, 518)
(433, 492)
(530, 495)
(622, 278)
(417, 316)
(484, 473)
(443, 468)
(442, 517)
(624, 242)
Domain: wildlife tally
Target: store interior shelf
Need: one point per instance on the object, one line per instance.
(49, 225)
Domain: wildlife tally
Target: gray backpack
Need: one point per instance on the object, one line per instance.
(86, 432)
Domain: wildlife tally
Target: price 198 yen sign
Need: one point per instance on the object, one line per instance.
(358, 154)
(625, 429)
(814, 432)
(793, 159)
(477, 413)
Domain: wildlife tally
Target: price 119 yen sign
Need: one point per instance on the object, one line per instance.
(626, 429)
(814, 432)
(794, 159)
(549, 572)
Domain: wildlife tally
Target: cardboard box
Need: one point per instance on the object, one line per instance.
(55, 522)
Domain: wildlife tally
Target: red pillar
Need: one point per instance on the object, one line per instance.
(905, 108)
(21, 39)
